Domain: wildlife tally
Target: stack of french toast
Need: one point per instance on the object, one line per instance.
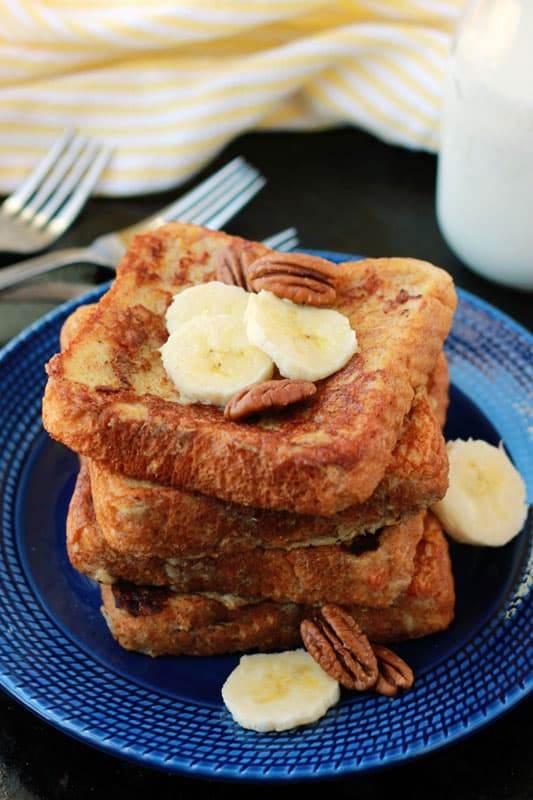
(211, 533)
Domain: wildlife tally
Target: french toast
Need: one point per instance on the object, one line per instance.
(109, 398)
(438, 389)
(157, 621)
(374, 571)
(154, 520)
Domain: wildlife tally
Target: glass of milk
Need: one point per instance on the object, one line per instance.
(485, 164)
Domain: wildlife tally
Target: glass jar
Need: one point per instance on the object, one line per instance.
(485, 163)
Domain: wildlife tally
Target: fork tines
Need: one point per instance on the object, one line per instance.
(215, 199)
(54, 192)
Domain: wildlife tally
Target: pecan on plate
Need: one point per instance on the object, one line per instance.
(394, 672)
(299, 277)
(337, 643)
(266, 395)
(232, 265)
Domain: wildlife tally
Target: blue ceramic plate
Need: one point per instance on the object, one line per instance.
(58, 659)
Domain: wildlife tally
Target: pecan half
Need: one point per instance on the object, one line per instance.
(232, 265)
(394, 672)
(268, 394)
(299, 277)
(337, 643)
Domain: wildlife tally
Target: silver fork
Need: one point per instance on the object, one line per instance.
(52, 195)
(58, 291)
(212, 203)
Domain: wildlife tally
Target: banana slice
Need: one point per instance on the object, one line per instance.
(209, 359)
(205, 298)
(278, 691)
(305, 342)
(486, 499)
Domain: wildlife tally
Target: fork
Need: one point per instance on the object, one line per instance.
(58, 291)
(212, 203)
(53, 194)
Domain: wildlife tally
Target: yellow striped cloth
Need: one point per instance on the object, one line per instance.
(168, 84)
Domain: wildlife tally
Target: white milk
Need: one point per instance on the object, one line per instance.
(485, 169)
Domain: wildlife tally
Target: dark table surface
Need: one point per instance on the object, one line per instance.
(348, 192)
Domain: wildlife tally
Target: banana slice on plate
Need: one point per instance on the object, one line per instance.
(486, 499)
(305, 342)
(205, 298)
(278, 691)
(209, 359)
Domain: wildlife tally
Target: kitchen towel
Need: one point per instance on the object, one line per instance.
(168, 84)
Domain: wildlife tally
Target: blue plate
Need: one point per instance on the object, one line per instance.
(58, 659)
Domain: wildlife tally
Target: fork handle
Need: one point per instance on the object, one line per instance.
(32, 267)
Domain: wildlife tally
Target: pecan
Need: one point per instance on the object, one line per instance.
(394, 673)
(268, 394)
(299, 277)
(338, 644)
(232, 265)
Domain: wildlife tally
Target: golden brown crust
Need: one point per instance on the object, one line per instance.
(430, 596)
(438, 389)
(266, 626)
(375, 574)
(155, 520)
(202, 625)
(109, 398)
(163, 521)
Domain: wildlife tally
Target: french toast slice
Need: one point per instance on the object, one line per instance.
(157, 621)
(154, 520)
(108, 396)
(374, 571)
